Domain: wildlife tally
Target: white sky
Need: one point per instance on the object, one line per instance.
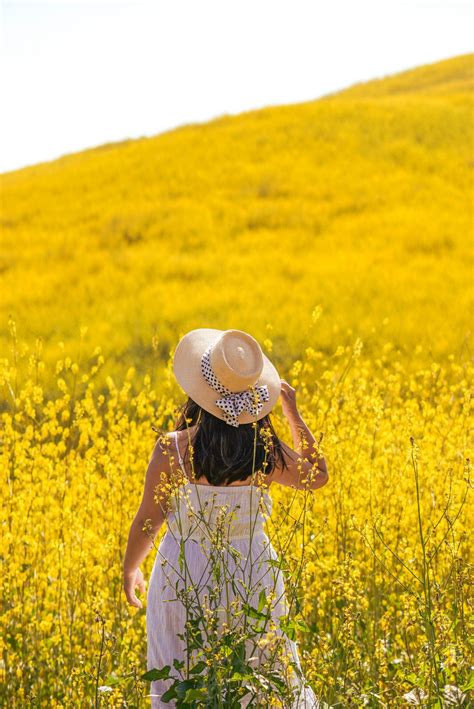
(78, 74)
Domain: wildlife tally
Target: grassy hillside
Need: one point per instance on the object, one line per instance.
(357, 202)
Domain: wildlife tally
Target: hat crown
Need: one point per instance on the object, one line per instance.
(237, 360)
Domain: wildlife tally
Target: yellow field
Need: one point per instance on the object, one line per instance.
(339, 233)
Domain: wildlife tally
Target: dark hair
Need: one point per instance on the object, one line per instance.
(223, 453)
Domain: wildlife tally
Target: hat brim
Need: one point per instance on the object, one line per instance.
(187, 370)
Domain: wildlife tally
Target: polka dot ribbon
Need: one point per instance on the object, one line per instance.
(233, 403)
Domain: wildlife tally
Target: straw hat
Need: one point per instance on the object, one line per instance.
(227, 374)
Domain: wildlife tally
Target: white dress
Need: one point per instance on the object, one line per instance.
(240, 551)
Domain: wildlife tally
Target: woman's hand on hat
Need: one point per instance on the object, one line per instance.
(288, 400)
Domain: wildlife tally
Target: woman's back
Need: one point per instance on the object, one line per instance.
(196, 509)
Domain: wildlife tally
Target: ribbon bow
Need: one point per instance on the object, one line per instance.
(233, 403)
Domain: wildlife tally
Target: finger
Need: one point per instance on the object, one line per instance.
(133, 600)
(142, 585)
(130, 595)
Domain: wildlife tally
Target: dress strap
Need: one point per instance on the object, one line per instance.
(177, 450)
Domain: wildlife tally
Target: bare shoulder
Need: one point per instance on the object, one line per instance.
(162, 444)
(166, 439)
(183, 436)
(163, 459)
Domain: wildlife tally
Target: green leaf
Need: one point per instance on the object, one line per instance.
(277, 680)
(238, 677)
(199, 667)
(470, 683)
(181, 554)
(228, 639)
(169, 694)
(279, 564)
(195, 694)
(216, 573)
(254, 613)
(155, 674)
(182, 687)
(290, 627)
(261, 599)
(113, 680)
(303, 627)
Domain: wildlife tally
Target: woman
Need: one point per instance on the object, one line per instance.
(224, 439)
